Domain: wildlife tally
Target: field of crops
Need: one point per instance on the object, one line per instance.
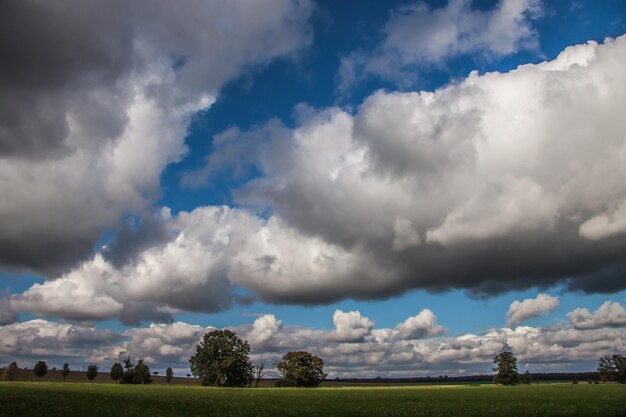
(72, 399)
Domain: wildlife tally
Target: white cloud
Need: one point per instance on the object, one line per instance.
(350, 326)
(609, 314)
(417, 36)
(264, 331)
(209, 251)
(530, 308)
(483, 185)
(611, 222)
(102, 103)
(422, 325)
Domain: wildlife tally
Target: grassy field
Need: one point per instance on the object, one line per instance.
(72, 399)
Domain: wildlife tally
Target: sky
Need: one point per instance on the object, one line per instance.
(402, 188)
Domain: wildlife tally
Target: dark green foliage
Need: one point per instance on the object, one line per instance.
(66, 371)
(527, 378)
(142, 373)
(612, 368)
(506, 369)
(8, 374)
(92, 372)
(221, 358)
(40, 369)
(300, 369)
(135, 374)
(169, 374)
(116, 372)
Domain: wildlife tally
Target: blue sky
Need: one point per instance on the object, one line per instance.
(173, 166)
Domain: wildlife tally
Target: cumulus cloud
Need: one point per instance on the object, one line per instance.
(350, 326)
(417, 35)
(264, 331)
(530, 308)
(483, 185)
(96, 102)
(211, 251)
(419, 326)
(609, 314)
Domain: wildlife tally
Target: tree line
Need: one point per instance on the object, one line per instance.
(611, 368)
(223, 359)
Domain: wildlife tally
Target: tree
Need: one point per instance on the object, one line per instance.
(40, 369)
(506, 369)
(301, 369)
(612, 368)
(259, 373)
(221, 358)
(66, 371)
(142, 373)
(10, 372)
(135, 374)
(169, 374)
(92, 372)
(116, 372)
(527, 378)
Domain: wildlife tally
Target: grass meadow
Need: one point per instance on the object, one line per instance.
(84, 399)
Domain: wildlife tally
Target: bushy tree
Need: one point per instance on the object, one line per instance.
(40, 369)
(506, 369)
(221, 358)
(10, 372)
(142, 373)
(300, 369)
(527, 378)
(136, 374)
(169, 374)
(66, 371)
(92, 372)
(116, 372)
(612, 368)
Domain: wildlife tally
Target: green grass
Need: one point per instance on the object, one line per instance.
(67, 399)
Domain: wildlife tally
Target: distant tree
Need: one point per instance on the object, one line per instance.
(142, 373)
(66, 371)
(40, 369)
(221, 358)
(169, 374)
(155, 373)
(116, 372)
(612, 368)
(527, 378)
(135, 374)
(300, 369)
(92, 372)
(10, 372)
(506, 369)
(188, 375)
